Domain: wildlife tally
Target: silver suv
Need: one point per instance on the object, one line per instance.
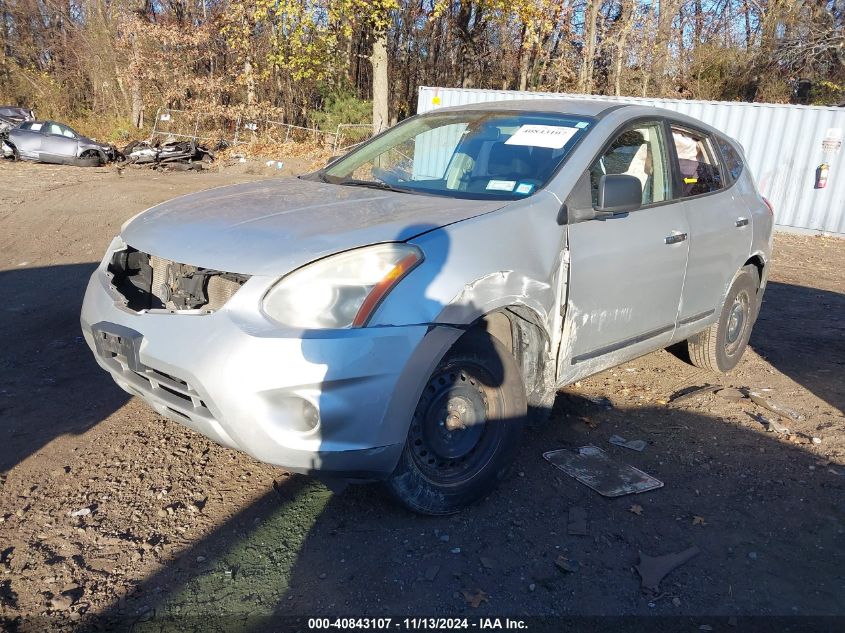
(399, 315)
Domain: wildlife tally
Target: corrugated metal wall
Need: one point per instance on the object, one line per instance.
(783, 145)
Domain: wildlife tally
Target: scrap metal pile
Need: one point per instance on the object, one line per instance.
(23, 137)
(182, 155)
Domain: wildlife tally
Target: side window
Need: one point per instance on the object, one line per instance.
(732, 158)
(54, 128)
(697, 166)
(639, 151)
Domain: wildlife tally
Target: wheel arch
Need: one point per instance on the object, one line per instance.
(91, 152)
(522, 331)
(759, 263)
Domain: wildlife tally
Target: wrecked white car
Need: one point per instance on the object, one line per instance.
(12, 116)
(399, 314)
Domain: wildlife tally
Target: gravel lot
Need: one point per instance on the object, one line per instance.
(114, 518)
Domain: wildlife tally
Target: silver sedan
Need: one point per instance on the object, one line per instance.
(51, 142)
(400, 314)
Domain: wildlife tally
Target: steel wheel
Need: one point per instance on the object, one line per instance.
(464, 429)
(738, 319)
(449, 433)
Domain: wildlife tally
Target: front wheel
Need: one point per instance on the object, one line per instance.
(720, 346)
(464, 430)
(90, 158)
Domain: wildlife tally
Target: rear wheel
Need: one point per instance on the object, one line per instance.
(464, 430)
(720, 347)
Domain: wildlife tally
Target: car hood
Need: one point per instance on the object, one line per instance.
(274, 226)
(85, 143)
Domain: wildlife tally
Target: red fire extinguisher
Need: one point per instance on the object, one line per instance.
(821, 176)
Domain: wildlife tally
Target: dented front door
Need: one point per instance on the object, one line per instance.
(626, 272)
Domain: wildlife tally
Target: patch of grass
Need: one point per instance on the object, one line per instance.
(244, 584)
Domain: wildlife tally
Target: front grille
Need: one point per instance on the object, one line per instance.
(159, 381)
(176, 395)
(149, 282)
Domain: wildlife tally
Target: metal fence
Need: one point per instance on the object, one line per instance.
(197, 126)
(348, 135)
(191, 125)
(784, 145)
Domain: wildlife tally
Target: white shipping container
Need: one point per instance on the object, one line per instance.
(785, 145)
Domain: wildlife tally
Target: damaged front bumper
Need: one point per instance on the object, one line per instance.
(337, 403)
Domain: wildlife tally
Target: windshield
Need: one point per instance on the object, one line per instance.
(470, 154)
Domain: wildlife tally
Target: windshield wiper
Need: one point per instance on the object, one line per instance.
(371, 184)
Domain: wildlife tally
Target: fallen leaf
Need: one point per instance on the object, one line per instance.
(652, 569)
(567, 565)
(474, 597)
(697, 520)
(589, 422)
(636, 509)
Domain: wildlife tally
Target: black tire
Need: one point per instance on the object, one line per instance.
(478, 389)
(719, 347)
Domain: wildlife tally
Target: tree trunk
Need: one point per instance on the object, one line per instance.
(524, 62)
(662, 44)
(249, 77)
(626, 20)
(4, 42)
(137, 100)
(775, 14)
(585, 81)
(746, 10)
(698, 17)
(137, 105)
(380, 83)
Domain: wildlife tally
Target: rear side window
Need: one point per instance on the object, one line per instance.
(60, 130)
(698, 167)
(733, 161)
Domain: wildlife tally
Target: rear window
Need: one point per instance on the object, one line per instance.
(697, 165)
(733, 161)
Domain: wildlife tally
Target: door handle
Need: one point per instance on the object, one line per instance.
(740, 222)
(675, 238)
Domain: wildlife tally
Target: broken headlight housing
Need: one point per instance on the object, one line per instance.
(340, 291)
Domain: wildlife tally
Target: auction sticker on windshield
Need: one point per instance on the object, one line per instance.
(501, 185)
(551, 136)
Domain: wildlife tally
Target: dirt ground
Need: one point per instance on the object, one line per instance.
(113, 518)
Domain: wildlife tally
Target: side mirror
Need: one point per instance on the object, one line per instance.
(619, 193)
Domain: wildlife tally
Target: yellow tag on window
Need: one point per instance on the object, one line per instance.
(690, 181)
